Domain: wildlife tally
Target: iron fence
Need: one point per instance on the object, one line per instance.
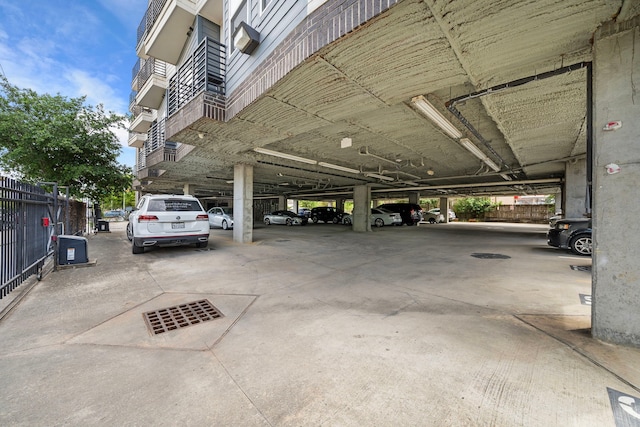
(30, 217)
(25, 236)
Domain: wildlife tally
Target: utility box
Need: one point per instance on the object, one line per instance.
(103, 225)
(72, 250)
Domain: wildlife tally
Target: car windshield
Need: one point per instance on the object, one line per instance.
(228, 211)
(173, 205)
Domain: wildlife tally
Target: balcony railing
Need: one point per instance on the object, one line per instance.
(203, 71)
(144, 69)
(156, 148)
(149, 18)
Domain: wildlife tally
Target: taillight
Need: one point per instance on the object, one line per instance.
(147, 218)
(202, 218)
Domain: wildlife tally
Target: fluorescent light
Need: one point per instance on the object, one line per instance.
(436, 116)
(505, 177)
(284, 155)
(375, 175)
(473, 149)
(338, 167)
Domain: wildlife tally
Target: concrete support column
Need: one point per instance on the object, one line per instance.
(616, 174)
(189, 189)
(444, 208)
(558, 199)
(414, 198)
(282, 203)
(340, 204)
(575, 188)
(361, 208)
(243, 203)
(295, 206)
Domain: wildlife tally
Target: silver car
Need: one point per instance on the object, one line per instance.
(379, 218)
(284, 218)
(220, 217)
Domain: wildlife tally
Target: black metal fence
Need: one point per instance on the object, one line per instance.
(25, 235)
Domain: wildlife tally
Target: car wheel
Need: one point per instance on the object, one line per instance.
(129, 232)
(346, 221)
(581, 244)
(266, 221)
(335, 220)
(432, 220)
(225, 226)
(314, 219)
(378, 222)
(135, 249)
(289, 221)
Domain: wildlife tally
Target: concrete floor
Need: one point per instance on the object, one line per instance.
(402, 326)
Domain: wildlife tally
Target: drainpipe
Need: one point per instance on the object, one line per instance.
(587, 202)
(515, 83)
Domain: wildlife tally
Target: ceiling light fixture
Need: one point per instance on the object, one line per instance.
(505, 177)
(338, 167)
(430, 172)
(382, 177)
(436, 116)
(473, 149)
(284, 156)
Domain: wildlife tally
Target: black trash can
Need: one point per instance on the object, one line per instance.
(72, 250)
(103, 225)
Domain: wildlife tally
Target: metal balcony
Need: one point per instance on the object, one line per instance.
(137, 139)
(162, 32)
(203, 71)
(142, 119)
(150, 82)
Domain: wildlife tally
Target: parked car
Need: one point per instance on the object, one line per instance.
(379, 218)
(572, 234)
(326, 214)
(304, 212)
(433, 218)
(167, 220)
(436, 211)
(220, 217)
(411, 213)
(285, 218)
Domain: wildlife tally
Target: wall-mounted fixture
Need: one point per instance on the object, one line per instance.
(436, 116)
(376, 175)
(284, 155)
(245, 38)
(338, 167)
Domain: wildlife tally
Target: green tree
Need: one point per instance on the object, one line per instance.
(52, 138)
(476, 207)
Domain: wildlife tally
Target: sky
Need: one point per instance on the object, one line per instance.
(73, 48)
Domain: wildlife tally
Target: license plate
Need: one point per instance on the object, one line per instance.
(176, 225)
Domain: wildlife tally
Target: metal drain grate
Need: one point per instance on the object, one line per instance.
(490, 256)
(180, 316)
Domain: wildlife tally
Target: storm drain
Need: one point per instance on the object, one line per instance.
(490, 256)
(180, 316)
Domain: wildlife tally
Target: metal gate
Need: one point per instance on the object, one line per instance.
(25, 236)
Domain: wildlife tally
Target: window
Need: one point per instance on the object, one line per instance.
(264, 4)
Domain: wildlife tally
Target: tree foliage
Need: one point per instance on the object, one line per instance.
(49, 138)
(475, 206)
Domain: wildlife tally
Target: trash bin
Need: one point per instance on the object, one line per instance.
(72, 250)
(103, 225)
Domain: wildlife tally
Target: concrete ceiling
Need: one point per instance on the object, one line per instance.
(361, 87)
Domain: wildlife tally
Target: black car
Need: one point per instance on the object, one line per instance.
(326, 214)
(572, 234)
(411, 213)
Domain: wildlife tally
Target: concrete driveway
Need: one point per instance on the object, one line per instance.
(438, 325)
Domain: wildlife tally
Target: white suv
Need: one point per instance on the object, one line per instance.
(167, 220)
